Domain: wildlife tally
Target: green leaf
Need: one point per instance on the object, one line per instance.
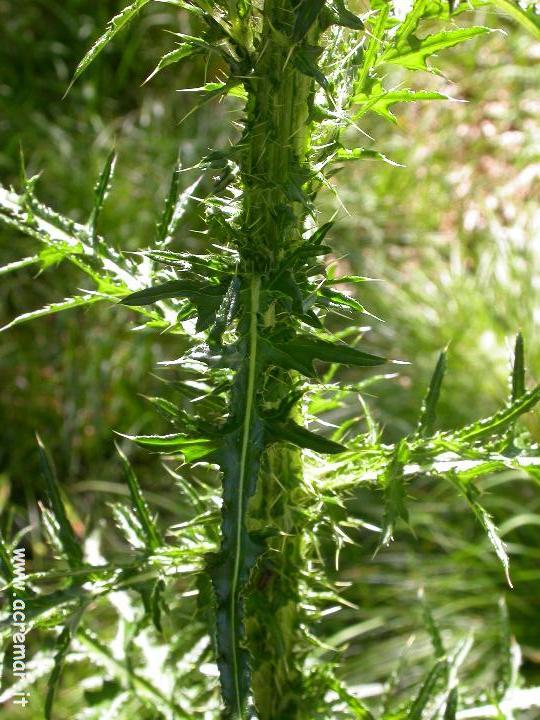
(307, 13)
(174, 210)
(508, 655)
(157, 603)
(104, 657)
(63, 644)
(130, 527)
(411, 21)
(184, 50)
(501, 420)
(345, 17)
(432, 628)
(346, 154)
(470, 493)
(213, 90)
(53, 308)
(114, 26)
(373, 48)
(101, 190)
(192, 449)
(428, 690)
(428, 414)
(518, 370)
(336, 298)
(165, 291)
(304, 59)
(380, 101)
(70, 543)
(18, 264)
(450, 712)
(394, 492)
(153, 539)
(299, 352)
(528, 17)
(357, 708)
(413, 53)
(6, 565)
(239, 460)
(206, 297)
(289, 431)
(346, 279)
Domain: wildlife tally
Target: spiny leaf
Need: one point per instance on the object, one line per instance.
(101, 190)
(18, 264)
(339, 299)
(63, 643)
(345, 17)
(344, 154)
(502, 419)
(213, 90)
(528, 17)
(53, 308)
(191, 448)
(290, 431)
(6, 565)
(157, 603)
(307, 13)
(230, 570)
(450, 712)
(117, 23)
(319, 235)
(432, 628)
(373, 49)
(394, 492)
(103, 656)
(509, 655)
(130, 527)
(413, 54)
(70, 543)
(170, 289)
(175, 207)
(428, 690)
(357, 708)
(411, 21)
(184, 50)
(518, 370)
(380, 101)
(299, 352)
(304, 58)
(153, 539)
(470, 493)
(428, 414)
(166, 408)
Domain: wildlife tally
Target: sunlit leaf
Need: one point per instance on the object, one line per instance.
(114, 26)
(414, 53)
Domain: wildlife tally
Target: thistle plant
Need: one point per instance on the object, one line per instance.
(241, 583)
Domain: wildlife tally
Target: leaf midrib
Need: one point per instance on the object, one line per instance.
(248, 414)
